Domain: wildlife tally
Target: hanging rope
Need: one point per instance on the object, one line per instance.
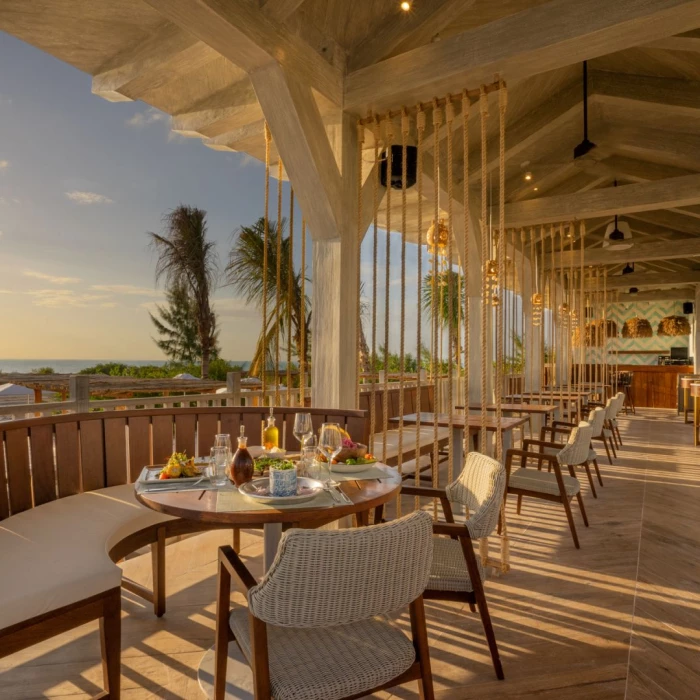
(523, 243)
(387, 286)
(485, 301)
(358, 260)
(466, 259)
(266, 236)
(405, 126)
(420, 126)
(375, 238)
(278, 290)
(302, 320)
(437, 122)
(449, 117)
(533, 290)
(290, 289)
(502, 105)
(582, 311)
(542, 359)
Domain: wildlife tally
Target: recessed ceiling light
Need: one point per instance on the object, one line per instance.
(405, 6)
(528, 176)
(534, 189)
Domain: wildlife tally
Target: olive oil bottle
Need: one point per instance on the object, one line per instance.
(271, 434)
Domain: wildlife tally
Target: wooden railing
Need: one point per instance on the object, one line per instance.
(79, 400)
(42, 459)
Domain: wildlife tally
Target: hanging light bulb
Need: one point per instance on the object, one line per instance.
(537, 307)
(438, 237)
(564, 313)
(574, 319)
(405, 6)
(492, 281)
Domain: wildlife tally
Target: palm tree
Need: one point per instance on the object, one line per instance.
(447, 283)
(176, 324)
(187, 258)
(244, 273)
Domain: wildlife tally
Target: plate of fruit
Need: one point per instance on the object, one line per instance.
(179, 466)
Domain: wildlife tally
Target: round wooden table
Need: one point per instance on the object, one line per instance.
(685, 385)
(201, 506)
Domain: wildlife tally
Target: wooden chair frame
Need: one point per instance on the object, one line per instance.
(106, 607)
(231, 566)
(476, 597)
(609, 445)
(560, 427)
(553, 462)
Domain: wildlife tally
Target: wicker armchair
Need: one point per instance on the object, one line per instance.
(457, 573)
(314, 626)
(551, 485)
(596, 419)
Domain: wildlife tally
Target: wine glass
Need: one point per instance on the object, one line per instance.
(303, 429)
(330, 443)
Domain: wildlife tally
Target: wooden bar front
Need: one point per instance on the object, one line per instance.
(655, 386)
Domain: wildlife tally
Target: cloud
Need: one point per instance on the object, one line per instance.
(150, 116)
(50, 278)
(88, 197)
(64, 298)
(4, 164)
(129, 289)
(247, 160)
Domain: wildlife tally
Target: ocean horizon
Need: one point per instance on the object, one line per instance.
(9, 366)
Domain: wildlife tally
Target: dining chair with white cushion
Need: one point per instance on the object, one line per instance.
(552, 484)
(457, 573)
(315, 627)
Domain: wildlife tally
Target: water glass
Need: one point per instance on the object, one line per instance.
(218, 466)
(303, 428)
(223, 440)
(306, 461)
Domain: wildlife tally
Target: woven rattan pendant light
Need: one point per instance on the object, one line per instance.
(637, 328)
(673, 326)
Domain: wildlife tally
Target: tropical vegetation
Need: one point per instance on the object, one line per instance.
(188, 260)
(245, 273)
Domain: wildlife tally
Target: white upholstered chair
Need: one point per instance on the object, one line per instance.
(552, 484)
(457, 573)
(315, 626)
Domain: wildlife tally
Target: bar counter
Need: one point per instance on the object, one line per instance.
(655, 386)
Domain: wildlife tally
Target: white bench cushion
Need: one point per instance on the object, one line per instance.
(58, 553)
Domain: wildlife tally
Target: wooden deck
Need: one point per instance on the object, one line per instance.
(618, 619)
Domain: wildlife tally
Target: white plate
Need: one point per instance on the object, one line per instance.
(259, 451)
(259, 490)
(149, 476)
(342, 468)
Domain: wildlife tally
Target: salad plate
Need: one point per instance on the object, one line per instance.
(151, 476)
(258, 490)
(345, 468)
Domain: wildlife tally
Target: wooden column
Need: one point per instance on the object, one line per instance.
(696, 316)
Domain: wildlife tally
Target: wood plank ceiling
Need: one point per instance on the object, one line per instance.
(644, 100)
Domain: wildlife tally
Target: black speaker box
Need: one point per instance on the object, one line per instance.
(687, 307)
(397, 167)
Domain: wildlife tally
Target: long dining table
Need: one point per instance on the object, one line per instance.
(459, 423)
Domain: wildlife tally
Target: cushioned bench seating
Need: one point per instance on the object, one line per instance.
(68, 513)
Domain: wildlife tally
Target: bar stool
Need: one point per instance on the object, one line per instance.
(625, 381)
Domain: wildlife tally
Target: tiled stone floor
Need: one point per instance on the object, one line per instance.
(618, 619)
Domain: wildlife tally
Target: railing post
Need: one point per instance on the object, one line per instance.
(233, 387)
(79, 392)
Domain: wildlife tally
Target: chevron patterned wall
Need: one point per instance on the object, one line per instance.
(653, 312)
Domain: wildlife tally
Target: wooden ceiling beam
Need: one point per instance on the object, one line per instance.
(280, 10)
(642, 252)
(676, 43)
(409, 29)
(230, 140)
(239, 31)
(655, 280)
(301, 140)
(556, 34)
(686, 294)
(683, 96)
(668, 219)
(638, 197)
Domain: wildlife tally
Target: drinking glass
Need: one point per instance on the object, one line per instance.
(308, 462)
(330, 443)
(218, 466)
(303, 428)
(223, 440)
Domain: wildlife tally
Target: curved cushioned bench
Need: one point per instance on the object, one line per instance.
(68, 513)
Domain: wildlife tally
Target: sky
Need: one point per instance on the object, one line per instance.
(81, 182)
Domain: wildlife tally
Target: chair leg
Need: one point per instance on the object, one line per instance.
(472, 607)
(607, 449)
(223, 632)
(619, 436)
(158, 565)
(572, 525)
(520, 502)
(590, 480)
(419, 630)
(597, 471)
(488, 628)
(111, 644)
(579, 498)
(236, 544)
(612, 447)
